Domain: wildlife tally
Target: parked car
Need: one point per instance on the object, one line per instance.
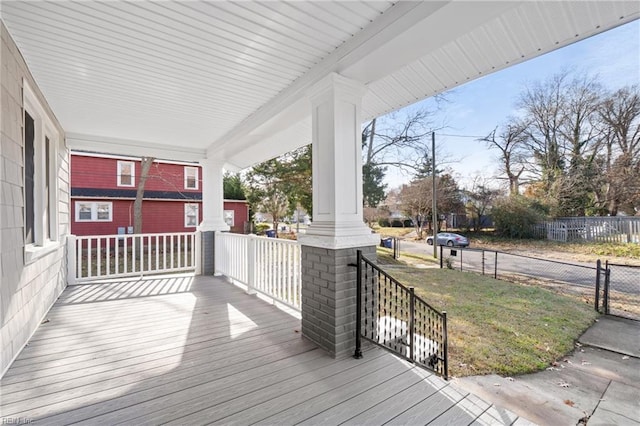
(449, 239)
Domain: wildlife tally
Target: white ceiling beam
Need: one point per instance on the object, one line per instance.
(133, 148)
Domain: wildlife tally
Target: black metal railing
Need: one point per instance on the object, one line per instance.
(394, 317)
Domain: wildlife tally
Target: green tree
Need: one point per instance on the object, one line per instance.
(373, 189)
(233, 187)
(287, 176)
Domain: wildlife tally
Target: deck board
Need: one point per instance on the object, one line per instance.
(199, 350)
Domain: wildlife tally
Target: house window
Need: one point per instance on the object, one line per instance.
(29, 179)
(191, 215)
(93, 212)
(40, 177)
(229, 216)
(126, 173)
(190, 178)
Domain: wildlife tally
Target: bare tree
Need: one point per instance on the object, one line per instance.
(620, 114)
(398, 140)
(510, 143)
(146, 163)
(543, 105)
(417, 198)
(480, 198)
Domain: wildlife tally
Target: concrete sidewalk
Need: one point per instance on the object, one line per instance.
(600, 380)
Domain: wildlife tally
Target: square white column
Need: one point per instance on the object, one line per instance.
(212, 196)
(337, 166)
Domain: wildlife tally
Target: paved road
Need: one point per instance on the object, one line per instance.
(581, 274)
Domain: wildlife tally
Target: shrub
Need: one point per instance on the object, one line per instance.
(408, 223)
(515, 217)
(397, 224)
(261, 228)
(384, 223)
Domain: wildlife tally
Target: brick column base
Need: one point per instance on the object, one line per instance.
(329, 297)
(208, 253)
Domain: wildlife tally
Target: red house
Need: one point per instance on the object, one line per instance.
(103, 190)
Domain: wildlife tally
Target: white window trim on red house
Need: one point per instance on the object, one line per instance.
(133, 173)
(94, 211)
(189, 210)
(190, 172)
(229, 217)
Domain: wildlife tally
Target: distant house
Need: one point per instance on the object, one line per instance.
(103, 190)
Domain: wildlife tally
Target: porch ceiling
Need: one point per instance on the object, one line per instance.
(185, 79)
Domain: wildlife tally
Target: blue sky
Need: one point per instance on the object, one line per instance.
(477, 107)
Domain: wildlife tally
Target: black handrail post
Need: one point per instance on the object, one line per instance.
(607, 277)
(441, 264)
(482, 261)
(598, 271)
(495, 268)
(445, 343)
(412, 310)
(358, 352)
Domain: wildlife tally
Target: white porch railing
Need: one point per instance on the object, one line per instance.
(110, 256)
(266, 265)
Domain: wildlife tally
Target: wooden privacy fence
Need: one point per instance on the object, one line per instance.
(602, 229)
(265, 265)
(111, 256)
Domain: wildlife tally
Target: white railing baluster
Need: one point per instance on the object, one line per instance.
(264, 265)
(89, 258)
(125, 254)
(171, 245)
(79, 257)
(180, 251)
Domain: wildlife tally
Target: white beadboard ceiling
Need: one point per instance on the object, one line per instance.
(184, 79)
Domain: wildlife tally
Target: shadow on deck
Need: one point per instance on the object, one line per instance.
(198, 350)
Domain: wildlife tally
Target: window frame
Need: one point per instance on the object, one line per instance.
(46, 147)
(94, 211)
(121, 163)
(195, 176)
(233, 217)
(187, 207)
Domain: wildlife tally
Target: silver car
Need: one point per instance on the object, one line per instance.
(449, 239)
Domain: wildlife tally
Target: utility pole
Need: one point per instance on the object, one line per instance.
(434, 219)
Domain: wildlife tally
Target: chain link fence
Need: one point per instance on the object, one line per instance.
(622, 290)
(561, 277)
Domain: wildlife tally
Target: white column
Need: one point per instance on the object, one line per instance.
(337, 166)
(212, 196)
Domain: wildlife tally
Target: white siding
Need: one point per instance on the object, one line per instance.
(26, 291)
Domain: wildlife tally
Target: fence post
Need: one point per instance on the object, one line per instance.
(483, 262)
(460, 259)
(445, 344)
(495, 268)
(441, 264)
(412, 309)
(607, 277)
(71, 259)
(358, 352)
(598, 271)
(251, 262)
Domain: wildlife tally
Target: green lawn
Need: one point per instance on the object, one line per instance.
(496, 326)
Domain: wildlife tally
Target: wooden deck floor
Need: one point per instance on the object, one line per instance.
(187, 350)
